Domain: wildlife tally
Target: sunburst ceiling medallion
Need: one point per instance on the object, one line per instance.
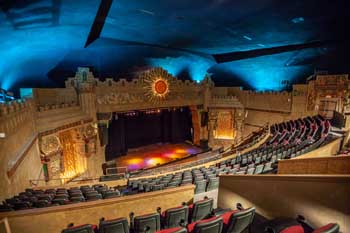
(157, 85)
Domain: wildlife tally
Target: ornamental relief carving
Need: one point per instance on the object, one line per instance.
(50, 145)
(55, 165)
(120, 98)
(153, 86)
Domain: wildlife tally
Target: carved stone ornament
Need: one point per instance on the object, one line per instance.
(50, 144)
(90, 131)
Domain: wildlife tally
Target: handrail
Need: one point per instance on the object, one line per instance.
(21, 155)
(6, 224)
(180, 166)
(116, 169)
(34, 182)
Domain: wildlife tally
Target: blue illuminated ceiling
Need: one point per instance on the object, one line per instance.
(42, 41)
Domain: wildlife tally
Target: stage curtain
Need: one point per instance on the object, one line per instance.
(142, 129)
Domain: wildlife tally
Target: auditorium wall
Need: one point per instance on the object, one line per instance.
(320, 165)
(263, 108)
(20, 157)
(50, 96)
(320, 199)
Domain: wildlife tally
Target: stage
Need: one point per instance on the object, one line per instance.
(155, 155)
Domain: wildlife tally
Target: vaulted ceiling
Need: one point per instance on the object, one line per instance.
(258, 44)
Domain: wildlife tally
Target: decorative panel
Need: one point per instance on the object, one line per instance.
(224, 125)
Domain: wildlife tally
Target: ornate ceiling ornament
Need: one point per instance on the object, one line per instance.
(158, 84)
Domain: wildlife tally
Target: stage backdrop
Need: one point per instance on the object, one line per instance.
(142, 128)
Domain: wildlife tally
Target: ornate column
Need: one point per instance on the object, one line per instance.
(51, 156)
(239, 124)
(196, 124)
(103, 120)
(213, 116)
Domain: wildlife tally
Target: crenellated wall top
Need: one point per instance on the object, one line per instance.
(282, 93)
(227, 101)
(15, 106)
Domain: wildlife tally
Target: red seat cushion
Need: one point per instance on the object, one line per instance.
(324, 228)
(190, 227)
(294, 229)
(169, 230)
(226, 216)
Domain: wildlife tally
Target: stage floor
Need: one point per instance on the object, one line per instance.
(155, 154)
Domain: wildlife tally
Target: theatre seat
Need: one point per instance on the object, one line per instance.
(173, 230)
(175, 217)
(87, 228)
(119, 225)
(329, 228)
(213, 184)
(238, 221)
(200, 186)
(293, 229)
(211, 225)
(41, 203)
(110, 194)
(22, 205)
(200, 210)
(148, 223)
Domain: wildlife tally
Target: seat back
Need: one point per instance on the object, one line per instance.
(212, 225)
(176, 217)
(87, 228)
(259, 169)
(200, 186)
(329, 228)
(110, 194)
(250, 171)
(201, 210)
(173, 230)
(213, 183)
(119, 225)
(240, 221)
(149, 223)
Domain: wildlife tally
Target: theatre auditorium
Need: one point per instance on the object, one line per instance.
(174, 116)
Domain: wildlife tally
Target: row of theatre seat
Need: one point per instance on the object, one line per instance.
(199, 217)
(61, 196)
(205, 180)
(287, 140)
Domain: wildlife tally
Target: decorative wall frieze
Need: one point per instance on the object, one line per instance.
(48, 107)
(225, 102)
(154, 88)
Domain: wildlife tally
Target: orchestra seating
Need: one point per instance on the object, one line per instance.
(201, 219)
